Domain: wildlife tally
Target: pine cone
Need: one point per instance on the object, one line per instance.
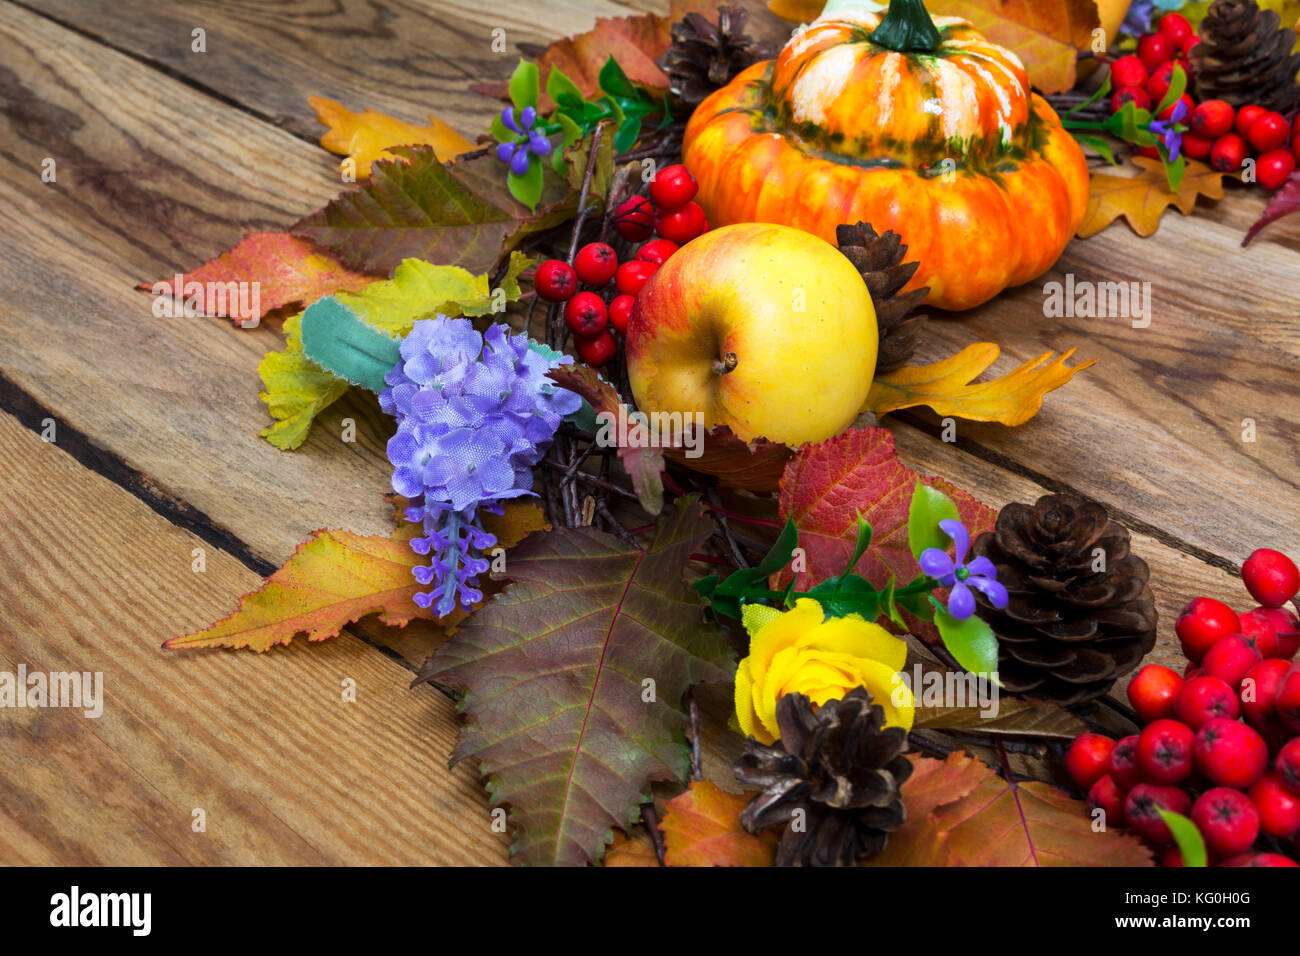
(880, 260)
(1074, 624)
(1245, 57)
(705, 56)
(841, 766)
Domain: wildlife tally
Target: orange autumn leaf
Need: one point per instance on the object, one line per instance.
(961, 813)
(800, 11)
(626, 851)
(1142, 199)
(702, 828)
(286, 270)
(336, 578)
(1010, 399)
(366, 137)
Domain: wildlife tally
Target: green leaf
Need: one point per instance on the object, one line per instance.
(929, 507)
(1174, 173)
(971, 642)
(528, 187)
(337, 340)
(1177, 87)
(614, 82)
(781, 553)
(572, 133)
(849, 594)
(1186, 836)
(563, 91)
(1100, 146)
(860, 545)
(1103, 90)
(629, 131)
(553, 672)
(524, 85)
(296, 390)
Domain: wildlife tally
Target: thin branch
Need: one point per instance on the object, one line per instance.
(651, 820)
(737, 556)
(591, 480)
(697, 772)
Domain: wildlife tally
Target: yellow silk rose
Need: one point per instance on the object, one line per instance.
(799, 652)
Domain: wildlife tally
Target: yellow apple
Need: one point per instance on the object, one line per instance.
(762, 327)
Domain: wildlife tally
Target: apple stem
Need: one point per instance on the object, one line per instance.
(726, 364)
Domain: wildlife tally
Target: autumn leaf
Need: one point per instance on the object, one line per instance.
(753, 466)
(296, 389)
(1282, 203)
(828, 485)
(702, 828)
(286, 270)
(627, 851)
(1046, 36)
(1010, 399)
(573, 678)
(337, 577)
(961, 813)
(459, 213)
(800, 11)
(366, 137)
(1014, 717)
(1142, 199)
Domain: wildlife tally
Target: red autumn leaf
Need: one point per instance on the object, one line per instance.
(287, 270)
(753, 466)
(702, 828)
(961, 813)
(826, 486)
(573, 678)
(337, 577)
(1282, 203)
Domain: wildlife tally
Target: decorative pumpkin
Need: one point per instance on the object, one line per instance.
(907, 122)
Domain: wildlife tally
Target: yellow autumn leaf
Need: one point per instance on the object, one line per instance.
(1143, 199)
(366, 137)
(946, 386)
(800, 11)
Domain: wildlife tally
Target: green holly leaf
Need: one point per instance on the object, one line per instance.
(971, 642)
(929, 507)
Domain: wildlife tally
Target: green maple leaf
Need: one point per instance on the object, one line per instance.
(555, 669)
(297, 389)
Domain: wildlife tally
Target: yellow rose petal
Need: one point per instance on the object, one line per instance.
(859, 639)
(744, 699)
(783, 631)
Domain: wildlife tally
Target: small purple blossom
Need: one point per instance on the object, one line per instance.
(531, 142)
(954, 573)
(1164, 129)
(474, 414)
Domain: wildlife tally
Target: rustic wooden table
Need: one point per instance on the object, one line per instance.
(165, 157)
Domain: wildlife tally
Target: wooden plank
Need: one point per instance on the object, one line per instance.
(264, 744)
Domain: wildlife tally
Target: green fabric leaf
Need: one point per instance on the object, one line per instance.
(629, 131)
(614, 81)
(929, 507)
(562, 90)
(528, 187)
(524, 85)
(335, 338)
(971, 642)
(1186, 836)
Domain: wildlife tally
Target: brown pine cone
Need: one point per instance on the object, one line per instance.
(1245, 56)
(705, 56)
(841, 767)
(880, 260)
(1080, 613)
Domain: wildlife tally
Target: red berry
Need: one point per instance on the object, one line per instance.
(1230, 754)
(597, 349)
(1155, 49)
(1191, 670)
(1246, 116)
(1287, 766)
(1203, 699)
(1153, 691)
(1231, 658)
(681, 225)
(1260, 628)
(1140, 810)
(586, 314)
(620, 310)
(1227, 819)
(1106, 796)
(673, 187)
(555, 281)
(1171, 856)
(596, 263)
(1197, 147)
(1130, 94)
(1175, 26)
(634, 219)
(1287, 703)
(1287, 629)
(1168, 112)
(1295, 143)
(1150, 152)
(1123, 762)
(1274, 169)
(1229, 153)
(631, 276)
(1088, 759)
(1203, 622)
(1259, 691)
(1212, 119)
(1268, 132)
(1189, 43)
(657, 251)
(1271, 577)
(1259, 859)
(1163, 78)
(1128, 71)
(1164, 752)
(1279, 808)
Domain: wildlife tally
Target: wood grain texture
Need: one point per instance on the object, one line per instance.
(265, 745)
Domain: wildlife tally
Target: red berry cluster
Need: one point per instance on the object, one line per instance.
(1217, 132)
(594, 313)
(1221, 742)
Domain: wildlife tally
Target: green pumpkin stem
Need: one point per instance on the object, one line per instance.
(907, 28)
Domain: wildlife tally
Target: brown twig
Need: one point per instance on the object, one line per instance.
(651, 820)
(737, 556)
(591, 480)
(697, 771)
